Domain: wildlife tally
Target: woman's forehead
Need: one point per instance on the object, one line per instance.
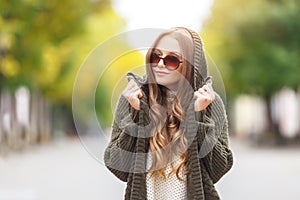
(168, 43)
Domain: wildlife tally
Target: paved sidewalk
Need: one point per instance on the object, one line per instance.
(61, 170)
(262, 173)
(64, 170)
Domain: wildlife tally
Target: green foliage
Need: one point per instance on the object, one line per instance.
(256, 44)
(44, 43)
(113, 81)
(30, 27)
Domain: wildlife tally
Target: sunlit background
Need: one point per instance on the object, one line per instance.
(255, 45)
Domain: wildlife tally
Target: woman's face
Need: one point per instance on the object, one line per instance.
(164, 76)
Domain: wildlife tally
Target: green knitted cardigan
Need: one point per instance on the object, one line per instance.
(209, 155)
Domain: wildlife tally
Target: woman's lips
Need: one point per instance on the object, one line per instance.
(160, 73)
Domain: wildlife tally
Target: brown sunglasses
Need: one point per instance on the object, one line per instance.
(171, 62)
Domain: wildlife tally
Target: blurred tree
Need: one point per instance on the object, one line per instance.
(115, 76)
(256, 43)
(39, 39)
(34, 29)
(43, 43)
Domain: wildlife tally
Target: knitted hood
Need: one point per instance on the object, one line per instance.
(199, 62)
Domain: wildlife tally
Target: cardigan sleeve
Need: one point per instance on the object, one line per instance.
(213, 141)
(119, 154)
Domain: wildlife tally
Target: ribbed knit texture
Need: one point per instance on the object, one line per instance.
(204, 172)
(209, 156)
(200, 65)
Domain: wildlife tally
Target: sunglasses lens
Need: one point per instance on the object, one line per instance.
(155, 59)
(171, 62)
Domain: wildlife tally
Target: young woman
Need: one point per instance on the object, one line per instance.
(170, 131)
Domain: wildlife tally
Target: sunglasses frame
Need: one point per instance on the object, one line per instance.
(163, 58)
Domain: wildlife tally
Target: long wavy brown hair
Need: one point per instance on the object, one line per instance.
(168, 137)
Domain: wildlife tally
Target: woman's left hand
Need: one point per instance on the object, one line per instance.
(204, 96)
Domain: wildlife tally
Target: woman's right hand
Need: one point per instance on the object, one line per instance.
(133, 93)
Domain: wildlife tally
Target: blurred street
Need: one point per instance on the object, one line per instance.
(63, 169)
(64, 66)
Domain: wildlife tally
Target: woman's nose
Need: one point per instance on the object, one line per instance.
(161, 63)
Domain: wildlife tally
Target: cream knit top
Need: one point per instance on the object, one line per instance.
(170, 188)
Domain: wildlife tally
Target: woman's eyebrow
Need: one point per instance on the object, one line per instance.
(175, 52)
(158, 50)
